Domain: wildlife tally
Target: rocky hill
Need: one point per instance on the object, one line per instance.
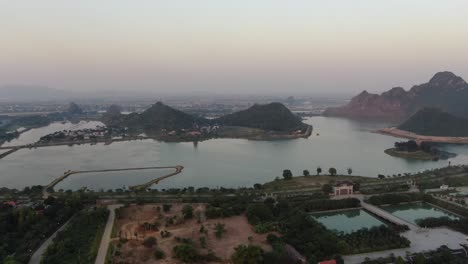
(158, 116)
(435, 122)
(445, 91)
(273, 116)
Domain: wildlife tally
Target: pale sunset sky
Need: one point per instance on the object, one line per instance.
(244, 46)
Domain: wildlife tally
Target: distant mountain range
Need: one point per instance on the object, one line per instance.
(445, 91)
(435, 122)
(272, 117)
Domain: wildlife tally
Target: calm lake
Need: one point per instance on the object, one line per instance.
(341, 143)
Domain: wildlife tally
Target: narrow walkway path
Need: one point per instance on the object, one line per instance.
(178, 169)
(36, 257)
(388, 216)
(106, 236)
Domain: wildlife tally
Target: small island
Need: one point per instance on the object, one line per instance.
(259, 122)
(422, 151)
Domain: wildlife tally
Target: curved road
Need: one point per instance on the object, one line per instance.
(36, 257)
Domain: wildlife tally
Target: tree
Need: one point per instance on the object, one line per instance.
(381, 176)
(167, 207)
(10, 260)
(219, 230)
(186, 253)
(332, 171)
(287, 174)
(350, 171)
(319, 170)
(187, 211)
(149, 242)
(159, 254)
(257, 213)
(356, 186)
(257, 186)
(327, 188)
(400, 260)
(203, 242)
(306, 173)
(247, 254)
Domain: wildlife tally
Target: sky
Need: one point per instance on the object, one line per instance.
(241, 46)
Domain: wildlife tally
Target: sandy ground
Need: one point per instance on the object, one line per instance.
(406, 134)
(238, 231)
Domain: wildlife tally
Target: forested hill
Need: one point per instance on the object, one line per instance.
(435, 122)
(273, 116)
(158, 116)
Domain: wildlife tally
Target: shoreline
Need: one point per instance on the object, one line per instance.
(395, 132)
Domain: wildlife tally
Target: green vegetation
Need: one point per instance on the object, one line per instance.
(273, 116)
(418, 155)
(287, 174)
(188, 254)
(326, 204)
(158, 116)
(220, 230)
(159, 254)
(187, 211)
(374, 239)
(423, 151)
(79, 242)
(435, 122)
(396, 198)
(149, 242)
(22, 230)
(247, 254)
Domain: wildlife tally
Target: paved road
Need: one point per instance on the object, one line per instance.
(106, 236)
(36, 257)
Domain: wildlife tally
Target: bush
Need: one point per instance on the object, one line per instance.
(167, 207)
(258, 213)
(185, 253)
(187, 211)
(149, 242)
(159, 254)
(247, 254)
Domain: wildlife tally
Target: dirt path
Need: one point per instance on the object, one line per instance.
(106, 236)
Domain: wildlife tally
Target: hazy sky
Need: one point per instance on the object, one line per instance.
(285, 46)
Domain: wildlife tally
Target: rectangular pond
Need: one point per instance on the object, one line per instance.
(414, 211)
(347, 221)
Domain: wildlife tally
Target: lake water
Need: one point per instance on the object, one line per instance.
(341, 143)
(355, 219)
(414, 211)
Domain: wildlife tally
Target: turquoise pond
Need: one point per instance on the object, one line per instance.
(414, 211)
(347, 221)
